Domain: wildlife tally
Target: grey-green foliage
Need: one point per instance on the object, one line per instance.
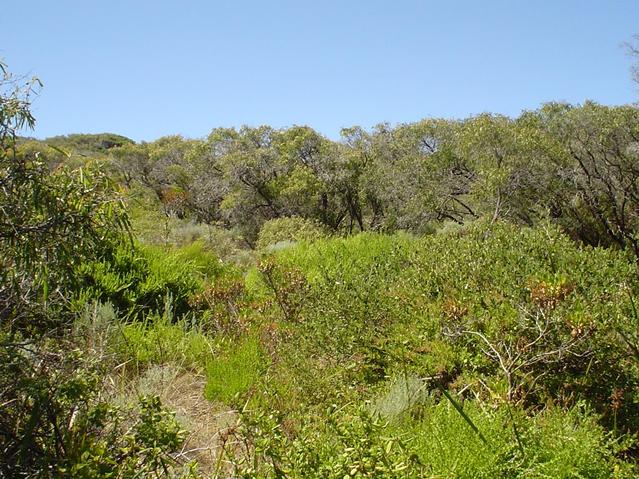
(49, 221)
(600, 196)
(570, 164)
(403, 393)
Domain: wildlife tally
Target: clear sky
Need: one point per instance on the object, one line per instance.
(145, 68)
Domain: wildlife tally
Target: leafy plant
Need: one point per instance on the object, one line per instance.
(55, 423)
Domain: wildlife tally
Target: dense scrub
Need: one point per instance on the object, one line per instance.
(55, 420)
(502, 311)
(437, 299)
(527, 330)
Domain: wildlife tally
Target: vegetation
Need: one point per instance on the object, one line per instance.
(446, 298)
(55, 422)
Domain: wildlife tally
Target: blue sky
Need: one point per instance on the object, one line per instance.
(150, 68)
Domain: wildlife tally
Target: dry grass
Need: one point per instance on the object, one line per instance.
(182, 391)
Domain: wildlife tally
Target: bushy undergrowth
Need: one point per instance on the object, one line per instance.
(293, 229)
(141, 278)
(553, 443)
(436, 443)
(152, 226)
(484, 351)
(520, 315)
(159, 341)
(528, 334)
(489, 351)
(55, 423)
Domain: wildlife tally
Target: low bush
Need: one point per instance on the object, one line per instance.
(434, 442)
(138, 279)
(341, 445)
(157, 340)
(501, 312)
(235, 371)
(554, 443)
(55, 423)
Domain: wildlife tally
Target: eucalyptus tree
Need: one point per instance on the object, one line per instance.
(248, 164)
(304, 187)
(267, 173)
(49, 221)
(415, 177)
(362, 183)
(600, 171)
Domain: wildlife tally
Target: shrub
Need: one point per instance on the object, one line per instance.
(139, 279)
(439, 442)
(554, 443)
(235, 371)
(499, 312)
(343, 445)
(223, 304)
(158, 340)
(55, 424)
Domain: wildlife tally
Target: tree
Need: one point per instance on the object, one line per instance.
(250, 167)
(414, 176)
(49, 221)
(599, 201)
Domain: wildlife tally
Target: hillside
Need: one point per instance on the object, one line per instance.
(445, 298)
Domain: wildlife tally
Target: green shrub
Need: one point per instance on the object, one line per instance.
(55, 423)
(235, 371)
(341, 445)
(435, 442)
(139, 279)
(499, 311)
(158, 340)
(554, 443)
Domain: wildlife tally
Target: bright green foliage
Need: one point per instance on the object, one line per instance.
(235, 371)
(518, 314)
(552, 444)
(140, 279)
(53, 421)
(342, 446)
(436, 444)
(497, 313)
(161, 341)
